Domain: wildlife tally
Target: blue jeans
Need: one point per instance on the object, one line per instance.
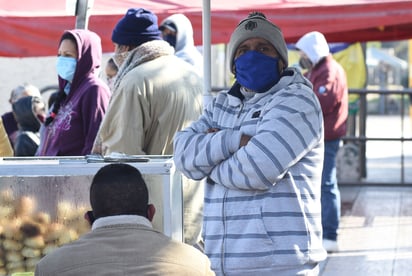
(330, 197)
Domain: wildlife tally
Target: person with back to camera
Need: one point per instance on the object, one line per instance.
(260, 146)
(330, 86)
(122, 240)
(155, 94)
(178, 31)
(76, 113)
(9, 121)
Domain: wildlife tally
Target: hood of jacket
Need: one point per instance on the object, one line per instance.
(185, 47)
(314, 45)
(90, 56)
(184, 37)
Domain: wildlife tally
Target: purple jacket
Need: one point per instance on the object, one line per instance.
(75, 126)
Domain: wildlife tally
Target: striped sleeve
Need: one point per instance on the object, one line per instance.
(197, 152)
(290, 126)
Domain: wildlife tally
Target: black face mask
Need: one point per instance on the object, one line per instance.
(171, 39)
(305, 63)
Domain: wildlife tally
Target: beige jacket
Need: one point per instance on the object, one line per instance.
(155, 95)
(124, 247)
(5, 147)
(150, 103)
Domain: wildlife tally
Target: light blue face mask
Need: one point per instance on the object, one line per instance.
(66, 67)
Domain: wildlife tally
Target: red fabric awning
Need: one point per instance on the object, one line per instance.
(32, 28)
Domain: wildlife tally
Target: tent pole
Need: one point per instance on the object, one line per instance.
(206, 33)
(83, 8)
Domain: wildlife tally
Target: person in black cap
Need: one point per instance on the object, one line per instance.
(154, 95)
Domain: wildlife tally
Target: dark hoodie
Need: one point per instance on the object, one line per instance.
(28, 137)
(74, 128)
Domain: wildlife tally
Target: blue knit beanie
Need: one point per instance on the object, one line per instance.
(136, 27)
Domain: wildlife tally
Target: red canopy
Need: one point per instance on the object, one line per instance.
(32, 28)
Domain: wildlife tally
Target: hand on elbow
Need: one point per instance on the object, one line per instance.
(244, 140)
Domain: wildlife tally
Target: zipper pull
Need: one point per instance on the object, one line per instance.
(240, 111)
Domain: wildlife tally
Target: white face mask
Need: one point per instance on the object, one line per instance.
(119, 58)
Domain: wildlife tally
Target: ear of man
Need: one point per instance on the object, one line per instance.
(151, 210)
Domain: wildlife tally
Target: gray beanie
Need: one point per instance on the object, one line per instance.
(257, 25)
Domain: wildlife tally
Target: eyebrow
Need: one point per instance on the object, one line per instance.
(261, 43)
(67, 53)
(266, 44)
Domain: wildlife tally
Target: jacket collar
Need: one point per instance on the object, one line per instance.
(121, 219)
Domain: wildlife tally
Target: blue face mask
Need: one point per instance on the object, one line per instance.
(66, 66)
(171, 39)
(257, 71)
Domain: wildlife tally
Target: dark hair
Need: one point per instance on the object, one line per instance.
(112, 64)
(118, 189)
(256, 13)
(56, 100)
(52, 99)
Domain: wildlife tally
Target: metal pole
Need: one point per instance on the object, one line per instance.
(362, 134)
(82, 13)
(206, 33)
(402, 139)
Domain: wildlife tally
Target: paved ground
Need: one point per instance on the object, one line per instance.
(376, 221)
(374, 234)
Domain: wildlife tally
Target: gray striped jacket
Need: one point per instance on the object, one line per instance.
(262, 201)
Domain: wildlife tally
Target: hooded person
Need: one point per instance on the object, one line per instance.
(29, 113)
(260, 146)
(155, 95)
(315, 48)
(178, 31)
(330, 86)
(76, 113)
